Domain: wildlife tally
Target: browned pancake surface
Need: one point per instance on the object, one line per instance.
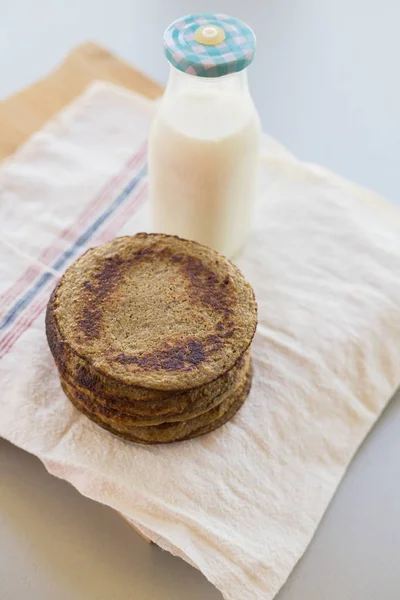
(153, 311)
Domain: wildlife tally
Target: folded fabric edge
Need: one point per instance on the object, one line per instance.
(79, 480)
(63, 118)
(371, 199)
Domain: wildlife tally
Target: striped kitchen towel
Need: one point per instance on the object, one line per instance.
(242, 503)
(68, 191)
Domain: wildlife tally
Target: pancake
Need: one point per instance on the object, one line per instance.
(116, 417)
(135, 400)
(176, 407)
(151, 311)
(172, 432)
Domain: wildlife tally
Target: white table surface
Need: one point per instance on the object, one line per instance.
(326, 84)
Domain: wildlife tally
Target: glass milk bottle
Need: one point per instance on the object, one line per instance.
(205, 138)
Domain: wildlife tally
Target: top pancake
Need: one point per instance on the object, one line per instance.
(155, 311)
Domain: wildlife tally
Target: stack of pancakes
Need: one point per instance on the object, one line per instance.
(151, 335)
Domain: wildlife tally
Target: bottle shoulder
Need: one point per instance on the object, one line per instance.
(207, 113)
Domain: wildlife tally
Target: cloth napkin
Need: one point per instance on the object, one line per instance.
(243, 502)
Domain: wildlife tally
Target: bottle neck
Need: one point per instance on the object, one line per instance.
(233, 83)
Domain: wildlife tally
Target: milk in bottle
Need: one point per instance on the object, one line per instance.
(204, 141)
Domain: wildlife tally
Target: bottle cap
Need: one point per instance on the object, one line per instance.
(209, 45)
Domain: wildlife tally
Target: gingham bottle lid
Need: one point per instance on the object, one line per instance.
(209, 44)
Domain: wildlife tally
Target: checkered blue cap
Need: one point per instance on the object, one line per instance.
(231, 55)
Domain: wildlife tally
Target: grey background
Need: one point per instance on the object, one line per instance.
(326, 84)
